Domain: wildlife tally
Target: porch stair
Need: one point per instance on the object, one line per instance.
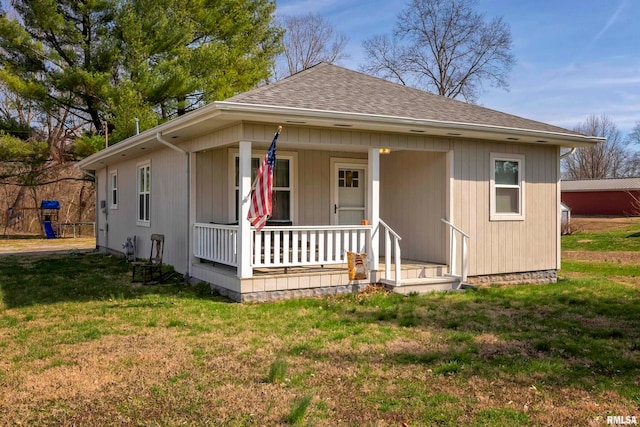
(398, 278)
(423, 285)
(419, 277)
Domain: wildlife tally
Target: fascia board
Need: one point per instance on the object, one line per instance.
(477, 130)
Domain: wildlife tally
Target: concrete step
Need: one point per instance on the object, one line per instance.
(423, 285)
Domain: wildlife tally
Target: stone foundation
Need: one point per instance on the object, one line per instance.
(288, 294)
(533, 277)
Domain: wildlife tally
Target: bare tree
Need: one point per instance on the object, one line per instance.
(309, 39)
(607, 159)
(634, 136)
(443, 46)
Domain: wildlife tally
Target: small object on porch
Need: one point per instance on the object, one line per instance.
(151, 270)
(356, 264)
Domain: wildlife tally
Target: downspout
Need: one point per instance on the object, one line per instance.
(160, 139)
(106, 207)
(95, 211)
(568, 153)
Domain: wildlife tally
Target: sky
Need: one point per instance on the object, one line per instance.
(575, 58)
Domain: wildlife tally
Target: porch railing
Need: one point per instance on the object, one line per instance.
(307, 245)
(392, 245)
(459, 266)
(216, 242)
(281, 246)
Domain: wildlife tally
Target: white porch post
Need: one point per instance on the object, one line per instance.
(373, 209)
(193, 182)
(244, 227)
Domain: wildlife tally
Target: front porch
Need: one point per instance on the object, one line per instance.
(298, 261)
(329, 198)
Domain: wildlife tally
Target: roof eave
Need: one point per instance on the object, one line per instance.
(336, 119)
(411, 125)
(149, 136)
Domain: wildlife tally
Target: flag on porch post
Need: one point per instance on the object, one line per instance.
(261, 206)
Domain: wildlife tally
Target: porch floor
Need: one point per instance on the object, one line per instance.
(275, 283)
(410, 269)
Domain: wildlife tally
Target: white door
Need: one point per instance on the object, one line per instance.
(349, 195)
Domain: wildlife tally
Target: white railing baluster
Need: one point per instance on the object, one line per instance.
(458, 264)
(284, 246)
(321, 238)
(268, 260)
(295, 247)
(396, 251)
(257, 248)
(387, 253)
(305, 246)
(391, 244)
(276, 248)
(312, 246)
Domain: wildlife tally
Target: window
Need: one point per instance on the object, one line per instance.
(348, 178)
(507, 187)
(281, 196)
(144, 193)
(113, 195)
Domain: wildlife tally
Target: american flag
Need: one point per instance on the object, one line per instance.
(261, 206)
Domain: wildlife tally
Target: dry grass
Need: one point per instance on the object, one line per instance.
(80, 346)
(603, 223)
(34, 245)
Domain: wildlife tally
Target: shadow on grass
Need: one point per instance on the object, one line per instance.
(575, 333)
(78, 277)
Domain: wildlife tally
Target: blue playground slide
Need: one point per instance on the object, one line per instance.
(48, 230)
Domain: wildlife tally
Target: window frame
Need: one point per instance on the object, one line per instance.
(146, 220)
(113, 189)
(290, 156)
(507, 216)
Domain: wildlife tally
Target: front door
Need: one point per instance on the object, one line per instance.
(349, 195)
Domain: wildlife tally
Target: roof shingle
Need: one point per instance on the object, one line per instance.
(328, 87)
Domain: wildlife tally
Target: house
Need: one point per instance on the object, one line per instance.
(612, 196)
(434, 191)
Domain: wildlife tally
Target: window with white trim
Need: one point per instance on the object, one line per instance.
(144, 194)
(507, 187)
(282, 187)
(113, 191)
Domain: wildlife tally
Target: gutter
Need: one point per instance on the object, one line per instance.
(168, 144)
(330, 116)
(240, 111)
(187, 154)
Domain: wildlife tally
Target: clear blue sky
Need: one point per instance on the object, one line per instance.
(575, 58)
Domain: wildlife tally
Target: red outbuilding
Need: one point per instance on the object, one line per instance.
(613, 196)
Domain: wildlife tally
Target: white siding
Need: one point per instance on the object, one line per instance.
(413, 191)
(507, 246)
(413, 201)
(169, 201)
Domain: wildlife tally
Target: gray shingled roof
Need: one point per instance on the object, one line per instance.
(329, 87)
(611, 184)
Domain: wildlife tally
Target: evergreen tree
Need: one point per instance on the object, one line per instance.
(114, 60)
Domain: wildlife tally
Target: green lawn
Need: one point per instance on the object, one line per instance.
(79, 345)
(627, 239)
